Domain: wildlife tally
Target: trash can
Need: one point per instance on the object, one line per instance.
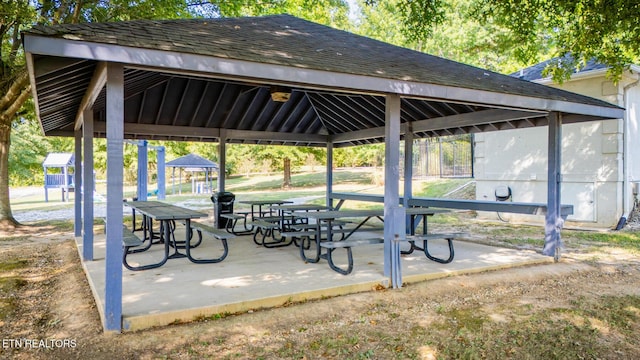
(222, 204)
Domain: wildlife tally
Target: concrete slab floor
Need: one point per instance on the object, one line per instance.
(254, 277)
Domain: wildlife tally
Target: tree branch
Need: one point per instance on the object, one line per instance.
(15, 91)
(11, 111)
(16, 43)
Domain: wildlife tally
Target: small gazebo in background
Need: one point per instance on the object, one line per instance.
(195, 165)
(57, 174)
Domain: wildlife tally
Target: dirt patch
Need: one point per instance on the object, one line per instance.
(559, 309)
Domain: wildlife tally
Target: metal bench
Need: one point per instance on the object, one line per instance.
(346, 244)
(449, 237)
(130, 240)
(265, 228)
(233, 221)
(218, 234)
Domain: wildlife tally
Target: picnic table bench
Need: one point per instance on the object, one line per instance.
(218, 234)
(131, 240)
(348, 244)
(266, 229)
(449, 237)
(326, 220)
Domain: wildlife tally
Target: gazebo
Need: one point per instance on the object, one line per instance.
(273, 80)
(194, 164)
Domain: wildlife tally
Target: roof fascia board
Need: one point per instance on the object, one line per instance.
(98, 82)
(211, 66)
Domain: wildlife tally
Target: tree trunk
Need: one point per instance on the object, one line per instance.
(14, 97)
(287, 174)
(7, 222)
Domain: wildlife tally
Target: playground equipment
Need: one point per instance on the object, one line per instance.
(143, 178)
(58, 174)
(59, 169)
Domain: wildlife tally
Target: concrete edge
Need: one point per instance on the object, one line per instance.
(92, 285)
(140, 322)
(425, 277)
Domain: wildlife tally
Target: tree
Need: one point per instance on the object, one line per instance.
(14, 84)
(25, 159)
(453, 35)
(19, 15)
(16, 16)
(604, 30)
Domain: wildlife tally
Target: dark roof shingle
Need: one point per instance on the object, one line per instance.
(290, 41)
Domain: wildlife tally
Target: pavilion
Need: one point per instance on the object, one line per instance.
(271, 80)
(193, 164)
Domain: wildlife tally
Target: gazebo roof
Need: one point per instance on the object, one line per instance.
(59, 160)
(192, 161)
(203, 79)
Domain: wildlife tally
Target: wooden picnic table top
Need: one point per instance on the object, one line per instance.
(144, 204)
(162, 211)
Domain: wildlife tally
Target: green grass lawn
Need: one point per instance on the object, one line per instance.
(264, 186)
(458, 330)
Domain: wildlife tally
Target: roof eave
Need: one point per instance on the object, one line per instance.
(209, 66)
(584, 75)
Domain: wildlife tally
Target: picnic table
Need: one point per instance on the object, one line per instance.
(280, 219)
(249, 217)
(147, 222)
(167, 215)
(286, 212)
(259, 204)
(324, 229)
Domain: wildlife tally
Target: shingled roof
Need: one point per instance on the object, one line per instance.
(535, 72)
(213, 74)
(192, 161)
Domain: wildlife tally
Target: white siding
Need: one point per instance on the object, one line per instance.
(592, 160)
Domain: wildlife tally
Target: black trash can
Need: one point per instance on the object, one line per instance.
(222, 204)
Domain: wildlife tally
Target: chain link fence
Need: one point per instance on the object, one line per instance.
(444, 157)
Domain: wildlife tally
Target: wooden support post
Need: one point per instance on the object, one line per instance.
(329, 175)
(408, 170)
(77, 183)
(87, 186)
(553, 218)
(162, 185)
(394, 225)
(222, 159)
(143, 177)
(115, 165)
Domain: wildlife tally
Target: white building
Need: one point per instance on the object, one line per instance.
(600, 160)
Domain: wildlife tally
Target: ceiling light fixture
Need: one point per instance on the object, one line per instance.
(280, 93)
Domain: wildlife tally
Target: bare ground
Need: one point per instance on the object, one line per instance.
(425, 321)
